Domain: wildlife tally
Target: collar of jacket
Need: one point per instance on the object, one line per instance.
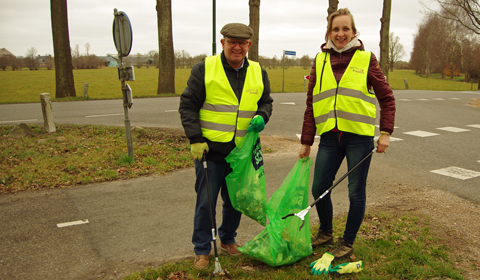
(352, 49)
(230, 68)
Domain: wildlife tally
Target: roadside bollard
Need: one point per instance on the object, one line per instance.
(85, 90)
(48, 123)
(406, 83)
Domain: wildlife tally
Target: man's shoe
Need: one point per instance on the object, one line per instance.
(201, 261)
(343, 249)
(322, 238)
(231, 249)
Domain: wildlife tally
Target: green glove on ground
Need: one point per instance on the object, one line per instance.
(197, 149)
(352, 267)
(322, 265)
(257, 124)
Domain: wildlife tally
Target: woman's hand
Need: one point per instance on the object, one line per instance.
(304, 151)
(383, 142)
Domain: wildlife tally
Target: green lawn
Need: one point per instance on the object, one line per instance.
(26, 86)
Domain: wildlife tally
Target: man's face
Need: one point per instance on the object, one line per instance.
(235, 50)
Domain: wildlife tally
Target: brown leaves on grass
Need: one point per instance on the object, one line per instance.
(86, 154)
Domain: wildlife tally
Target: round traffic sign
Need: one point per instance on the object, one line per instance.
(122, 33)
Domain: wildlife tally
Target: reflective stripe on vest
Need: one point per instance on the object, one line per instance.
(222, 117)
(348, 105)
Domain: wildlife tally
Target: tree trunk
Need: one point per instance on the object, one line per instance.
(384, 36)
(332, 7)
(255, 25)
(166, 57)
(64, 84)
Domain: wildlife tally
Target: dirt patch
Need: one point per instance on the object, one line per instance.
(454, 220)
(475, 103)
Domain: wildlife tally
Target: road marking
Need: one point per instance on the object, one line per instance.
(457, 172)
(168, 111)
(453, 129)
(421, 133)
(107, 115)
(474, 125)
(32, 120)
(438, 99)
(392, 139)
(404, 99)
(74, 223)
(455, 98)
(423, 99)
(300, 136)
(288, 103)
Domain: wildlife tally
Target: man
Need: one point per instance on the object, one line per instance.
(226, 95)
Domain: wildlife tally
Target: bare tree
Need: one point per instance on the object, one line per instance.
(255, 25)
(396, 51)
(332, 7)
(306, 61)
(466, 12)
(87, 48)
(64, 84)
(166, 61)
(384, 36)
(31, 59)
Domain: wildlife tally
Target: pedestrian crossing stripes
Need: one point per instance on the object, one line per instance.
(457, 172)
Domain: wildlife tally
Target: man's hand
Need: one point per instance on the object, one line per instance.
(257, 124)
(197, 149)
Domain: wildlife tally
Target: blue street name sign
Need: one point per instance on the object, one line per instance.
(290, 52)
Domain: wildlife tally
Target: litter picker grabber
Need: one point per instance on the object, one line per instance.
(218, 267)
(304, 212)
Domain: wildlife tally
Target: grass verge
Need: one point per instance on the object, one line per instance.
(391, 246)
(25, 86)
(81, 154)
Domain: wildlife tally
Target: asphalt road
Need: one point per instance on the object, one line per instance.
(127, 226)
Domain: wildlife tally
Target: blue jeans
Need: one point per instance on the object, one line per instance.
(333, 148)
(202, 226)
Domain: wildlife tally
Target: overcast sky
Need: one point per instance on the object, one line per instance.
(294, 25)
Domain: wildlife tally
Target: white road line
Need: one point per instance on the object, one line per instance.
(32, 120)
(453, 129)
(421, 133)
(455, 98)
(392, 139)
(288, 103)
(438, 99)
(457, 172)
(474, 125)
(168, 111)
(74, 223)
(300, 136)
(423, 99)
(404, 99)
(106, 115)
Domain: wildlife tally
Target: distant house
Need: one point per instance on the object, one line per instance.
(5, 52)
(108, 61)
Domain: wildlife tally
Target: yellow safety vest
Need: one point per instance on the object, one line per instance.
(221, 116)
(347, 105)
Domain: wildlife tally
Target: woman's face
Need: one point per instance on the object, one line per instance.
(342, 32)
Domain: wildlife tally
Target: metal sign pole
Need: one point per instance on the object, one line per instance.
(122, 37)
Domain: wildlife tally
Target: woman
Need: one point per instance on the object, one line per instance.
(341, 109)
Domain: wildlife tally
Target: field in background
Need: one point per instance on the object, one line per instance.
(26, 86)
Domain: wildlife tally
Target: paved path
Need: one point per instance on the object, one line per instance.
(132, 224)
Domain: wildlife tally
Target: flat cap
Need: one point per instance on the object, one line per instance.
(237, 31)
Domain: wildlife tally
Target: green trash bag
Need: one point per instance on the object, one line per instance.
(246, 182)
(281, 242)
